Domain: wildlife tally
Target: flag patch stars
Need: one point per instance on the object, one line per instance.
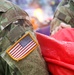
(23, 47)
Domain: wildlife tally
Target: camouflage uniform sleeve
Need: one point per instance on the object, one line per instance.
(55, 22)
(17, 29)
(59, 16)
(1, 67)
(4, 68)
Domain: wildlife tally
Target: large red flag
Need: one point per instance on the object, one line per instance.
(58, 51)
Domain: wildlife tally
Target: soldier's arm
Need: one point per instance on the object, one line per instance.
(1, 67)
(4, 68)
(56, 21)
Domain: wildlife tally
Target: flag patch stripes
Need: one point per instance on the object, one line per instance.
(22, 47)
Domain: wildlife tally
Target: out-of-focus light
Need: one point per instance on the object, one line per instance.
(38, 13)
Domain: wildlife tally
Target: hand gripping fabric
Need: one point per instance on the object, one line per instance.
(58, 51)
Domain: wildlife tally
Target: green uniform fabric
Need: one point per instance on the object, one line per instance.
(14, 22)
(56, 21)
(4, 68)
(66, 12)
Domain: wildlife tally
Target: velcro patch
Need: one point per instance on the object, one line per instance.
(23, 47)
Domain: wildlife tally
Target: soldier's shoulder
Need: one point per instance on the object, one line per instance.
(5, 5)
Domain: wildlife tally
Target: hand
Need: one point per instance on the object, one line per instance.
(63, 25)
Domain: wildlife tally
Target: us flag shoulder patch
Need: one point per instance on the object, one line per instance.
(23, 47)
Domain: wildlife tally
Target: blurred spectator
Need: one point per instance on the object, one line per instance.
(41, 12)
(53, 4)
(38, 10)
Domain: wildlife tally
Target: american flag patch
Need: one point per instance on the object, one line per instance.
(24, 46)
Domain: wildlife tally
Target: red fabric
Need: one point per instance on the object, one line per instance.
(58, 51)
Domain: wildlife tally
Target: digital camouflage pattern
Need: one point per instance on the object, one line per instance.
(14, 22)
(64, 13)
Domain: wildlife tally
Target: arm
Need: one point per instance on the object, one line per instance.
(61, 15)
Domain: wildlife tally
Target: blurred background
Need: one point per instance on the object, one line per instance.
(40, 11)
(48, 6)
